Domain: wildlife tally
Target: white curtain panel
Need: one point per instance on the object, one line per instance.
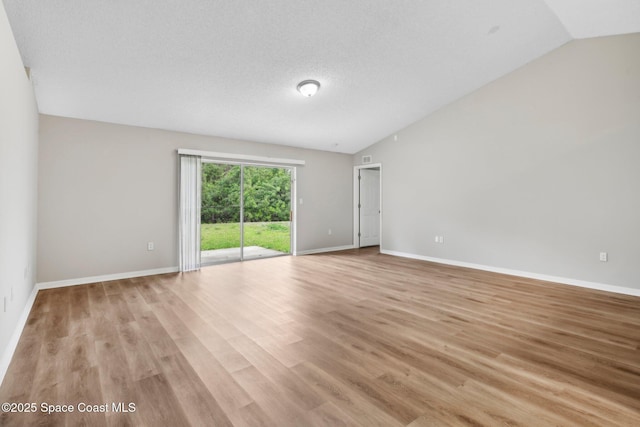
(190, 194)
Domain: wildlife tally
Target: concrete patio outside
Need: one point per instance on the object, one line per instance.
(233, 254)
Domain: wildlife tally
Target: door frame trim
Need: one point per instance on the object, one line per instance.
(356, 200)
(242, 158)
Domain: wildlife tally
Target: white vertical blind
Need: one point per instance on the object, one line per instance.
(190, 193)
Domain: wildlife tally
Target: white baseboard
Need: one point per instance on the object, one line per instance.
(17, 332)
(518, 273)
(105, 278)
(321, 250)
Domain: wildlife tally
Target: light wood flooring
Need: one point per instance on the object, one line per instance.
(349, 338)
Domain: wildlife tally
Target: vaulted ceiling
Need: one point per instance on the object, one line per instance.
(230, 68)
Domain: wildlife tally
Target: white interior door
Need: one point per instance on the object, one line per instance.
(369, 207)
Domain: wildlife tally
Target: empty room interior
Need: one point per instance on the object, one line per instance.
(414, 213)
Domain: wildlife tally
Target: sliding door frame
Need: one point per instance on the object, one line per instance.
(251, 160)
(292, 196)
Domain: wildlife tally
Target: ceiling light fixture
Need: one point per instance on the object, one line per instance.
(308, 87)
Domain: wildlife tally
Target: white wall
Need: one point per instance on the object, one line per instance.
(538, 171)
(106, 190)
(18, 187)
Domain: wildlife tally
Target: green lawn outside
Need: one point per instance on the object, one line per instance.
(269, 235)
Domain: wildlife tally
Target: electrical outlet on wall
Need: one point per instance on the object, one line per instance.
(151, 246)
(604, 257)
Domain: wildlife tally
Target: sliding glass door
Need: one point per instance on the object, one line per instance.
(245, 212)
(266, 211)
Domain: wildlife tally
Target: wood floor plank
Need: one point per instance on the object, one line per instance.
(120, 308)
(281, 349)
(24, 364)
(220, 383)
(102, 319)
(140, 357)
(266, 394)
(347, 398)
(251, 415)
(79, 310)
(287, 382)
(199, 405)
(329, 414)
(58, 318)
(347, 338)
(82, 388)
(115, 384)
(157, 403)
(156, 335)
(132, 296)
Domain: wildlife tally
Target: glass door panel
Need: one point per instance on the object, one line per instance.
(220, 232)
(266, 212)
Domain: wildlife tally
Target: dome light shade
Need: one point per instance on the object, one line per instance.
(308, 87)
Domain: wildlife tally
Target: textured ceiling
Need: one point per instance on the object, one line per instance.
(230, 68)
